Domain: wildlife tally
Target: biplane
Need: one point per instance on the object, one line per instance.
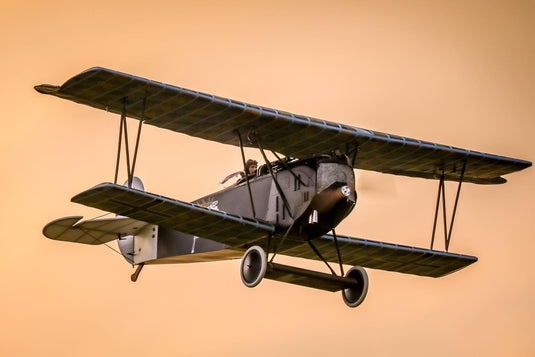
(290, 206)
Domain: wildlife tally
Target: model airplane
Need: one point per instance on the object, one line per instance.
(289, 207)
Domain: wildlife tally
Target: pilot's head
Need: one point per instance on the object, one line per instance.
(251, 166)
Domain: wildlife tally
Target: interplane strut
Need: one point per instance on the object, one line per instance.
(441, 196)
(123, 132)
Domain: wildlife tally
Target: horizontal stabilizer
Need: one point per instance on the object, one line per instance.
(189, 218)
(385, 256)
(94, 231)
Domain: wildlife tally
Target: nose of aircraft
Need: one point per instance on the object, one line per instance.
(327, 209)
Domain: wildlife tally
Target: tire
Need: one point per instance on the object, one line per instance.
(253, 266)
(353, 297)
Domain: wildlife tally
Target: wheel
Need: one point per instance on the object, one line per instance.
(253, 266)
(353, 297)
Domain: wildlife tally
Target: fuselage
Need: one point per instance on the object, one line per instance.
(306, 198)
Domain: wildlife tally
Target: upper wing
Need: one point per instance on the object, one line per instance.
(219, 119)
(95, 231)
(385, 256)
(189, 218)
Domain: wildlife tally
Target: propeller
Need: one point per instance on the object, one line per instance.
(376, 184)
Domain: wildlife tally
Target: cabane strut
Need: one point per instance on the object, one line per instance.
(246, 173)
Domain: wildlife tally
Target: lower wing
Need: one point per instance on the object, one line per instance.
(384, 256)
(232, 230)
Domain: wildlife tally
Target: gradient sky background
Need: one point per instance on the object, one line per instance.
(458, 73)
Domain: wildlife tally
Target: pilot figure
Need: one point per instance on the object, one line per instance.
(250, 168)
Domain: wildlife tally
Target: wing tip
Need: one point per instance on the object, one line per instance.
(47, 89)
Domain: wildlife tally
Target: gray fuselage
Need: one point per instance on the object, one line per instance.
(302, 201)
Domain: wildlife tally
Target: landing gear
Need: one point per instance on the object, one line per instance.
(354, 296)
(253, 266)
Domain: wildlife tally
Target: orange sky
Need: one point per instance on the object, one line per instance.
(458, 73)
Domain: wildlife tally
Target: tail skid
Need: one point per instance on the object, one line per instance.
(134, 276)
